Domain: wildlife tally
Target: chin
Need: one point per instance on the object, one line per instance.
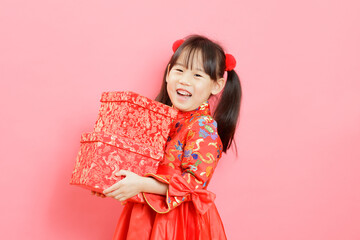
(180, 107)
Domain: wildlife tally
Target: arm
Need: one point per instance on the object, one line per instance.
(201, 153)
(133, 184)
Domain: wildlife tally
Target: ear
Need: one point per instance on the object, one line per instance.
(167, 73)
(218, 86)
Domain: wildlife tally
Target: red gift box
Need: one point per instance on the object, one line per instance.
(130, 133)
(134, 116)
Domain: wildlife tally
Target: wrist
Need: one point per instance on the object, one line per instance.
(143, 184)
(151, 185)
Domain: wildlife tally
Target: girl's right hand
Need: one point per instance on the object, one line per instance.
(98, 194)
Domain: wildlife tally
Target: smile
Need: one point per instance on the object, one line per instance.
(182, 92)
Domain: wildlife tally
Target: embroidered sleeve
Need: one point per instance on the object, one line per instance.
(201, 152)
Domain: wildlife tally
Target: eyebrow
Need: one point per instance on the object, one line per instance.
(180, 64)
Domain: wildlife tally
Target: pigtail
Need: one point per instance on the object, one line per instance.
(227, 111)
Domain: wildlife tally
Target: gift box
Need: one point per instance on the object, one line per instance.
(131, 115)
(101, 155)
(130, 133)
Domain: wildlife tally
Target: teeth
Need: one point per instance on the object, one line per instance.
(184, 93)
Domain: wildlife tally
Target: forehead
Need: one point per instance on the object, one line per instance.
(192, 59)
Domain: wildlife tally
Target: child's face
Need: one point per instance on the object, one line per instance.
(189, 88)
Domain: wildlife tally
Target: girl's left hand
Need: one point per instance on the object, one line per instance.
(125, 188)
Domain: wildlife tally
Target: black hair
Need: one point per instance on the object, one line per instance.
(227, 110)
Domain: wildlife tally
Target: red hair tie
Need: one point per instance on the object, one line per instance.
(177, 44)
(230, 62)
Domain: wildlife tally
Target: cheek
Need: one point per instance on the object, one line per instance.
(168, 89)
(169, 76)
(170, 80)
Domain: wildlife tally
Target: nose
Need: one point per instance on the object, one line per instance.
(185, 79)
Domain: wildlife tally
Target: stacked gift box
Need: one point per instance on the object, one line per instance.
(130, 133)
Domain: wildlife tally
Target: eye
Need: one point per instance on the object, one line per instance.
(198, 75)
(178, 70)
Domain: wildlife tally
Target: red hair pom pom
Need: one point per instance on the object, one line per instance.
(230, 62)
(177, 44)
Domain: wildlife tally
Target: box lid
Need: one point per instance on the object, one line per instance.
(134, 98)
(124, 143)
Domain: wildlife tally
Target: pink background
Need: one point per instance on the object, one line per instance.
(297, 171)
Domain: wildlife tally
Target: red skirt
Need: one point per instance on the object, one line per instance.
(139, 221)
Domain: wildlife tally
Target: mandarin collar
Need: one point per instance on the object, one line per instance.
(203, 109)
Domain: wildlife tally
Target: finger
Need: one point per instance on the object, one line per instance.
(123, 199)
(113, 187)
(115, 193)
(99, 194)
(122, 172)
(95, 193)
(118, 197)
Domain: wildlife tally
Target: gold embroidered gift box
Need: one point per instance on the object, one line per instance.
(130, 133)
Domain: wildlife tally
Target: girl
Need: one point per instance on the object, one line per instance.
(177, 204)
